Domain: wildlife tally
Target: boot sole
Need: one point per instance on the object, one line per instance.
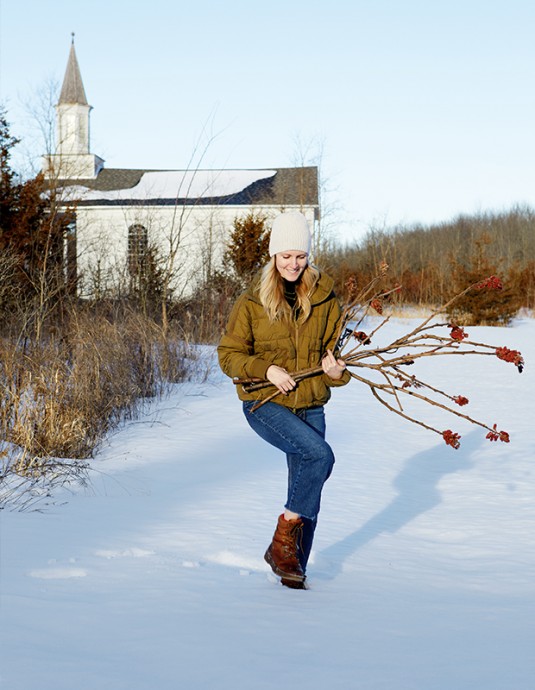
(288, 579)
(292, 584)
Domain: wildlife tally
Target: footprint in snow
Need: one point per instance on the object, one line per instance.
(125, 553)
(57, 573)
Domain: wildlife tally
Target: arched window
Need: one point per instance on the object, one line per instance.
(138, 244)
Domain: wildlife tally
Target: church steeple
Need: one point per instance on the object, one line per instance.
(72, 159)
(73, 90)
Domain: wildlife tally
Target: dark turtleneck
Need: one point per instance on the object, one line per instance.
(290, 294)
(289, 291)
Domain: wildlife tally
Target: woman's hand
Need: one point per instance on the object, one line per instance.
(334, 368)
(280, 378)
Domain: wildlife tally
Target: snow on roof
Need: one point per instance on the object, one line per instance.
(179, 184)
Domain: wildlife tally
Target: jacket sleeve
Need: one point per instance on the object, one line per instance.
(330, 340)
(236, 347)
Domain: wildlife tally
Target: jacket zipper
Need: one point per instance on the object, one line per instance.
(296, 363)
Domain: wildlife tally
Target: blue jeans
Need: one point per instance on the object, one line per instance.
(301, 435)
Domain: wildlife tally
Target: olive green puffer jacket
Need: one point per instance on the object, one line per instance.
(252, 343)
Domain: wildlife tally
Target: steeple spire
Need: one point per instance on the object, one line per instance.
(72, 158)
(72, 90)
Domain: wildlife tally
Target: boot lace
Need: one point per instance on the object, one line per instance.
(295, 540)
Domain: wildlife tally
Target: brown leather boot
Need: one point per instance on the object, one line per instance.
(283, 553)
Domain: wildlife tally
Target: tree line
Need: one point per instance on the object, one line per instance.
(432, 263)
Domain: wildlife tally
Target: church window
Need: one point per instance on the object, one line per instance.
(138, 244)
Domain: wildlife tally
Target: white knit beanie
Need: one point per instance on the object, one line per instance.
(289, 232)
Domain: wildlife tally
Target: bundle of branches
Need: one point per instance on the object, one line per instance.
(383, 369)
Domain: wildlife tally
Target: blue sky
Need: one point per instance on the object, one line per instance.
(424, 110)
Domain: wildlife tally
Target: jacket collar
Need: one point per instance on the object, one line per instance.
(322, 291)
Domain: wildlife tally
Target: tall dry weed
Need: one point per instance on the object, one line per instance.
(59, 397)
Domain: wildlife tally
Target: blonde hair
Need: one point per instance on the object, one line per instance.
(271, 293)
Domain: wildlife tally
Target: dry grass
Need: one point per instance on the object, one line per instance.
(29, 483)
(60, 397)
(409, 311)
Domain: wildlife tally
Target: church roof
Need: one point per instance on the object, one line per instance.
(261, 187)
(72, 90)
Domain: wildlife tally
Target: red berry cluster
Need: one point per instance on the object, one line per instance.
(457, 333)
(451, 439)
(496, 435)
(362, 337)
(490, 283)
(512, 356)
(377, 305)
(460, 400)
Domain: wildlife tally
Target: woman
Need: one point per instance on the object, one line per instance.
(287, 321)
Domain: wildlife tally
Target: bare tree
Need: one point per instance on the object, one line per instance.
(308, 152)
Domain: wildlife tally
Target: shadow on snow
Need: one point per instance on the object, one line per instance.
(417, 486)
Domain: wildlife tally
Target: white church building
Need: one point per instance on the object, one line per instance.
(183, 215)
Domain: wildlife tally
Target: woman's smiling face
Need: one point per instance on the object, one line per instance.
(291, 264)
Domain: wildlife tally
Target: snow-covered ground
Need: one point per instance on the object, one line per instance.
(422, 577)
